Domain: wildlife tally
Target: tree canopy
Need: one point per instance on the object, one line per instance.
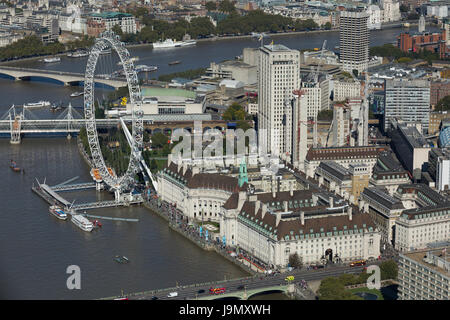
(443, 104)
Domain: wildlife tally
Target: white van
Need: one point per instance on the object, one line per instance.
(172, 294)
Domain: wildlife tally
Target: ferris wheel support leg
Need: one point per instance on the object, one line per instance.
(117, 195)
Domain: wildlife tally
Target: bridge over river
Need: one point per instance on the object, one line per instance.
(243, 288)
(65, 78)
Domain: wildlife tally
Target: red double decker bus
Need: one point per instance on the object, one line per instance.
(216, 290)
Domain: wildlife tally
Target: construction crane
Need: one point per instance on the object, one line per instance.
(314, 74)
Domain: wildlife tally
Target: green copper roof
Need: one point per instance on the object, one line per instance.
(110, 15)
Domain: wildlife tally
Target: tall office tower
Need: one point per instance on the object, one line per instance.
(407, 100)
(296, 135)
(354, 40)
(278, 76)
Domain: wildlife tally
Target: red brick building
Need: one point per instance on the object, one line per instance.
(431, 41)
(94, 28)
(438, 90)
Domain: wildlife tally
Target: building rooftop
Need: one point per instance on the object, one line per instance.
(337, 153)
(167, 92)
(276, 47)
(383, 198)
(438, 259)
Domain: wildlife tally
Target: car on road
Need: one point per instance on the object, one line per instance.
(289, 278)
(201, 291)
(172, 294)
(155, 298)
(217, 290)
(241, 287)
(358, 263)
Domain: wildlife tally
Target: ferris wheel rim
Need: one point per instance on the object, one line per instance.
(109, 39)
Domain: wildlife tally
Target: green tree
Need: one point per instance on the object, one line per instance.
(404, 60)
(295, 261)
(334, 289)
(117, 29)
(227, 6)
(159, 140)
(404, 8)
(210, 6)
(234, 112)
(389, 270)
(443, 104)
(327, 26)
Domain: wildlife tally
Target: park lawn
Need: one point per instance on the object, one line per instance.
(364, 289)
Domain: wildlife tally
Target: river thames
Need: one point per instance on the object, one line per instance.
(36, 248)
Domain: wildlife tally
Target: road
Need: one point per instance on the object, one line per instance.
(235, 285)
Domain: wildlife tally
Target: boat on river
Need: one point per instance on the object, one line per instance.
(174, 62)
(53, 59)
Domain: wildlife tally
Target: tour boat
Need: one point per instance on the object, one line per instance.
(77, 94)
(82, 222)
(78, 54)
(145, 68)
(188, 43)
(58, 212)
(174, 62)
(37, 104)
(53, 59)
(168, 43)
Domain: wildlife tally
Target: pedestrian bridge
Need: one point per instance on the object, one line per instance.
(65, 78)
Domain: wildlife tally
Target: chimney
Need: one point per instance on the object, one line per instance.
(195, 170)
(302, 217)
(285, 204)
(257, 206)
(274, 192)
(331, 202)
(264, 210)
(241, 199)
(291, 189)
(278, 214)
(349, 211)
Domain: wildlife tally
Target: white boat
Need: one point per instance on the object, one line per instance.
(82, 222)
(78, 54)
(58, 212)
(145, 68)
(188, 43)
(168, 43)
(37, 104)
(77, 94)
(53, 59)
